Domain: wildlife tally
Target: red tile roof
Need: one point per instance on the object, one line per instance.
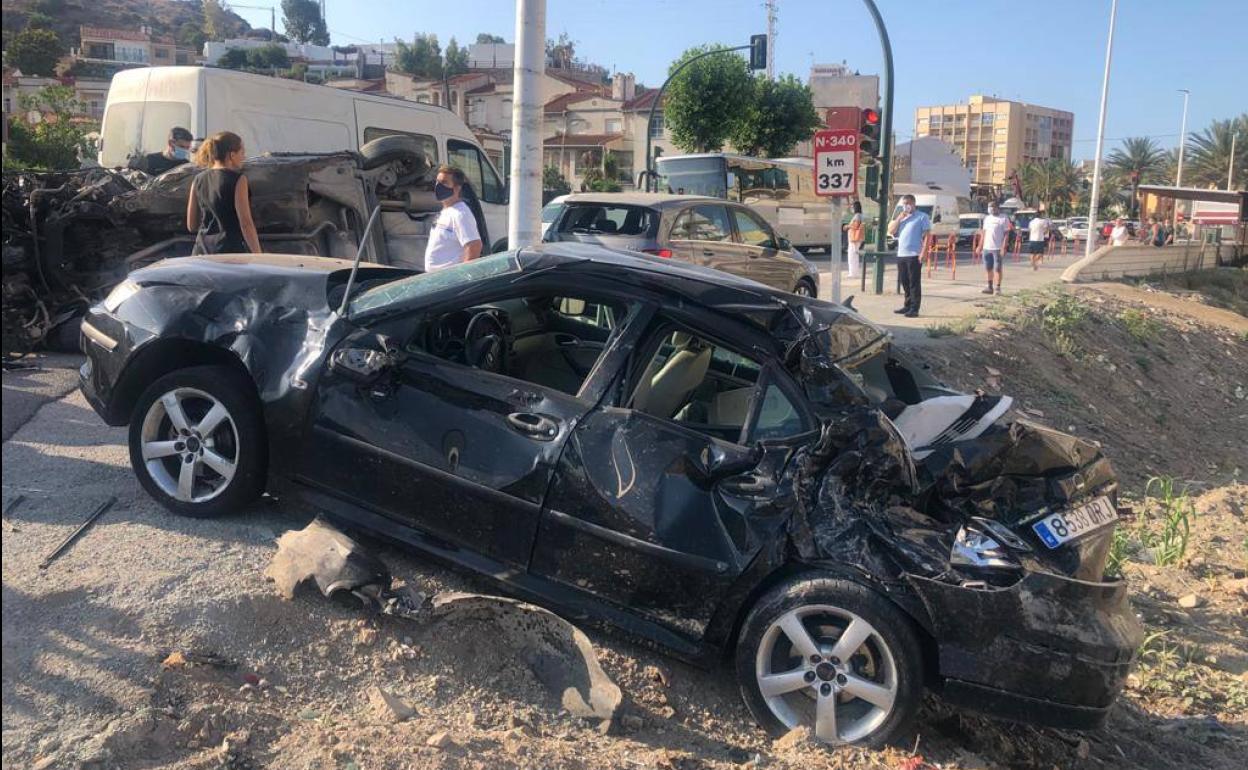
(641, 101)
(581, 140)
(106, 33)
(464, 78)
(561, 103)
(488, 88)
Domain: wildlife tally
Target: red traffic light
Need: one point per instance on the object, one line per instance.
(870, 116)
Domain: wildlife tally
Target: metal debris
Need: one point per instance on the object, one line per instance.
(67, 542)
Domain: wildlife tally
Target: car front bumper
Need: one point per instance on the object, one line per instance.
(1048, 650)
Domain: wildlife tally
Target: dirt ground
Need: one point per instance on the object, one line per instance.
(88, 680)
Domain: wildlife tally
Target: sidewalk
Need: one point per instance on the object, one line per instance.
(944, 299)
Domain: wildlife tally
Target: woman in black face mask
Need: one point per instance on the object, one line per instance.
(454, 237)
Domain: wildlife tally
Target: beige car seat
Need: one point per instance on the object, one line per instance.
(661, 393)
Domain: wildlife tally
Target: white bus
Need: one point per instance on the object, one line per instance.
(782, 190)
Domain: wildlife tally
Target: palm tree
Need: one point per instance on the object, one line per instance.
(1140, 160)
(1209, 154)
(1053, 183)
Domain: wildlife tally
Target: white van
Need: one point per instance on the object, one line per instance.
(942, 206)
(274, 115)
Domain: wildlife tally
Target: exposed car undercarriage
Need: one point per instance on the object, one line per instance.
(69, 236)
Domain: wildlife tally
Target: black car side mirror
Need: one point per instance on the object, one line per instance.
(360, 365)
(783, 244)
(716, 461)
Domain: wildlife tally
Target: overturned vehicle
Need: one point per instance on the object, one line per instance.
(701, 461)
(69, 237)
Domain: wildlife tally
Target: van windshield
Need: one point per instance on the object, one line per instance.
(137, 128)
(693, 176)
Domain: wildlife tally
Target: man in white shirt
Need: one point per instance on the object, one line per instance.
(1119, 235)
(995, 228)
(454, 238)
(1037, 239)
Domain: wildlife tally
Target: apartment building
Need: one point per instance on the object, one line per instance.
(104, 45)
(90, 93)
(996, 136)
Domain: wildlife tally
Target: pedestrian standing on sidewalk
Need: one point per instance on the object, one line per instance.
(910, 226)
(995, 230)
(857, 237)
(218, 210)
(1119, 235)
(455, 237)
(1037, 239)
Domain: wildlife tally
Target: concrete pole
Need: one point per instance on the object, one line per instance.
(834, 242)
(1093, 230)
(524, 226)
(1230, 167)
(1178, 175)
(771, 39)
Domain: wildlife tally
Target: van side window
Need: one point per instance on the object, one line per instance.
(428, 144)
(468, 158)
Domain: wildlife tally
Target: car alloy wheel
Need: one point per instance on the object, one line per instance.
(828, 669)
(189, 444)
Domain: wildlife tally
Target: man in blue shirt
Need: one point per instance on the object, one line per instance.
(910, 226)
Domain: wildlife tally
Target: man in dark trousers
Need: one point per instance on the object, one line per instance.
(910, 226)
(177, 151)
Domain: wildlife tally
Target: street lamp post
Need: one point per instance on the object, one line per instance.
(1100, 132)
(659, 100)
(886, 148)
(1178, 174)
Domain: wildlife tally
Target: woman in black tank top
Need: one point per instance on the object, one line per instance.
(219, 208)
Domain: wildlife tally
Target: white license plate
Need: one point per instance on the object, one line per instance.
(1058, 528)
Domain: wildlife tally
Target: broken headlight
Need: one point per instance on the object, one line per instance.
(120, 293)
(974, 547)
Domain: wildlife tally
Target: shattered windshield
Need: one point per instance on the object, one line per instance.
(424, 284)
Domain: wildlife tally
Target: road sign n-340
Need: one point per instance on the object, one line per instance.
(836, 162)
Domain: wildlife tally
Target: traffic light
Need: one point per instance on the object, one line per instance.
(869, 133)
(871, 182)
(758, 52)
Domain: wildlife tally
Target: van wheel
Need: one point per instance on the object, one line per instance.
(499, 247)
(197, 441)
(391, 148)
(805, 288)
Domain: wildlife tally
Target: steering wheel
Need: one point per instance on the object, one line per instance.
(484, 345)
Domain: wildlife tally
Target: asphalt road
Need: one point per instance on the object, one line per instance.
(50, 376)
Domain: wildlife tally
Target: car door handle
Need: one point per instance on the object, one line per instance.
(537, 426)
(567, 340)
(747, 484)
(708, 253)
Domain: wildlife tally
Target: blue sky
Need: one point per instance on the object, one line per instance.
(1049, 52)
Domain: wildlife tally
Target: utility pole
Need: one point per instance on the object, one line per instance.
(886, 151)
(524, 213)
(771, 39)
(1178, 175)
(1093, 231)
(1230, 167)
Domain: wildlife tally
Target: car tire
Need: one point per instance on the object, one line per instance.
(886, 666)
(227, 459)
(391, 148)
(805, 288)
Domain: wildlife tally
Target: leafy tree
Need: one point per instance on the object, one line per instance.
(39, 20)
(1140, 160)
(1208, 154)
(216, 23)
(303, 22)
(56, 141)
(1053, 183)
(268, 57)
(423, 58)
(34, 51)
(554, 181)
(561, 52)
(777, 114)
(48, 7)
(705, 99)
(485, 38)
(456, 59)
(191, 35)
(233, 59)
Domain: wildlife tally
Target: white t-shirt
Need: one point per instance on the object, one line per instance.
(1039, 229)
(995, 228)
(454, 229)
(1119, 235)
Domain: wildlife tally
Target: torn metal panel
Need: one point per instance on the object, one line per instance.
(334, 562)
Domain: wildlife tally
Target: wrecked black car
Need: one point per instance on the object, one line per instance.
(701, 461)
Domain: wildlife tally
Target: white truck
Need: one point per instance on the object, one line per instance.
(275, 115)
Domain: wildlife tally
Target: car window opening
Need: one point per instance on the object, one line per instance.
(608, 219)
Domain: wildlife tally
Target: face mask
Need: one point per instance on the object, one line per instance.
(181, 153)
(908, 208)
(442, 192)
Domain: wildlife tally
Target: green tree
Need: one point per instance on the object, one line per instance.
(1053, 184)
(456, 59)
(704, 101)
(1207, 158)
(776, 115)
(267, 58)
(216, 23)
(34, 51)
(39, 20)
(554, 181)
(423, 58)
(191, 35)
(303, 22)
(561, 52)
(56, 141)
(1140, 160)
(485, 38)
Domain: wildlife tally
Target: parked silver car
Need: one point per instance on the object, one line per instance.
(705, 231)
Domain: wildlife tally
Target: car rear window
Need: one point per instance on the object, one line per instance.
(609, 219)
